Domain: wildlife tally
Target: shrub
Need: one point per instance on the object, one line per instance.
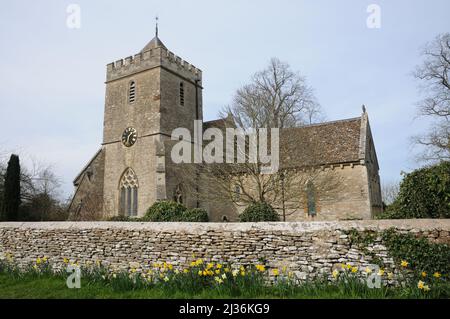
(165, 211)
(424, 193)
(195, 215)
(259, 212)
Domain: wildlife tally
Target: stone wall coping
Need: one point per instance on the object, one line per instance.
(287, 227)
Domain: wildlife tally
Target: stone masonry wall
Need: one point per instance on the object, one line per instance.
(305, 248)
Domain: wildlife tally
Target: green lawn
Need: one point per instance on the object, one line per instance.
(45, 287)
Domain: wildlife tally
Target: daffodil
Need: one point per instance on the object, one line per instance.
(45, 259)
(65, 260)
(423, 274)
(217, 271)
(426, 288)
(335, 273)
(381, 272)
(368, 270)
(260, 268)
(420, 284)
(166, 279)
(200, 272)
(437, 275)
(390, 275)
(224, 276)
(199, 262)
(114, 276)
(242, 273)
(185, 271)
(354, 269)
(404, 263)
(219, 280)
(275, 272)
(38, 260)
(235, 272)
(349, 266)
(219, 266)
(227, 269)
(209, 266)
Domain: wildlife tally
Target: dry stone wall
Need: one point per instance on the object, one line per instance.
(305, 248)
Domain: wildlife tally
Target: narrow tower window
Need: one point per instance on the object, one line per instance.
(132, 92)
(181, 94)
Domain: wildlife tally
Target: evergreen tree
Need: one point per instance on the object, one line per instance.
(11, 192)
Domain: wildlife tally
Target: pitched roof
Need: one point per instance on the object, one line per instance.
(77, 179)
(154, 43)
(334, 142)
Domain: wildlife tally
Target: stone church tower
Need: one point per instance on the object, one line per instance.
(147, 96)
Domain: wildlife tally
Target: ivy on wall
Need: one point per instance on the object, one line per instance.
(421, 254)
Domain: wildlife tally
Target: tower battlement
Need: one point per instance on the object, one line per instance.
(156, 57)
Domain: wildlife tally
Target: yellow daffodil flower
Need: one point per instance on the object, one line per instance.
(260, 268)
(420, 284)
(437, 275)
(390, 275)
(404, 263)
(275, 272)
(354, 269)
(423, 274)
(381, 272)
(335, 273)
(426, 288)
(368, 270)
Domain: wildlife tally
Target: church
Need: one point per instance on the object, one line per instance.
(150, 94)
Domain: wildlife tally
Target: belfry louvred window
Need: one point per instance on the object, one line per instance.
(181, 94)
(128, 193)
(132, 92)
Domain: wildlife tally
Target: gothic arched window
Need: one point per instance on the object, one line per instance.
(132, 92)
(128, 193)
(181, 93)
(311, 199)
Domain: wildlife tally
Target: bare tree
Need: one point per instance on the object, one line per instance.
(389, 191)
(276, 97)
(434, 77)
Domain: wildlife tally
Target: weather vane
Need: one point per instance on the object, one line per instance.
(156, 19)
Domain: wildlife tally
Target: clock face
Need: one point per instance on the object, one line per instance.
(129, 136)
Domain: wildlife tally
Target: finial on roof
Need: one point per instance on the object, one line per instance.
(156, 28)
(364, 108)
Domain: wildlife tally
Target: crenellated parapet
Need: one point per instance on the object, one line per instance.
(156, 57)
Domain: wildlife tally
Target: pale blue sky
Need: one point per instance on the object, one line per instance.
(52, 77)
